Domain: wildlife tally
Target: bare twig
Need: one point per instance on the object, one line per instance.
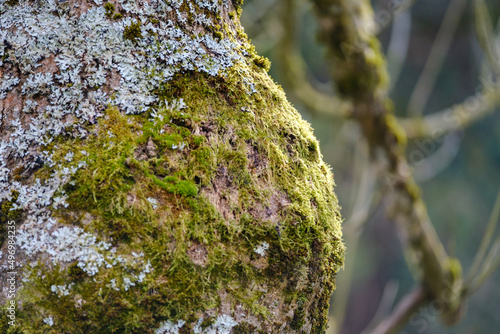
(476, 276)
(455, 118)
(486, 35)
(474, 107)
(385, 305)
(398, 46)
(403, 312)
(438, 53)
(294, 69)
(396, 8)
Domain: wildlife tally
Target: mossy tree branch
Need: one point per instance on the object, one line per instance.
(359, 71)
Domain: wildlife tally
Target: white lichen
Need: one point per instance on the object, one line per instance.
(223, 325)
(61, 290)
(168, 327)
(153, 202)
(262, 248)
(49, 321)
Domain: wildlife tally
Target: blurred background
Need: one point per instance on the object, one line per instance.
(435, 61)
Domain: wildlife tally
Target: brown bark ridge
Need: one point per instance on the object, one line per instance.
(153, 178)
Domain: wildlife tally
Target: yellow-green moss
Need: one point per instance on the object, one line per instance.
(258, 155)
(110, 9)
(75, 273)
(237, 3)
(262, 62)
(133, 31)
(7, 214)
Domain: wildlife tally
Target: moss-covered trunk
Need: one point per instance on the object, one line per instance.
(155, 178)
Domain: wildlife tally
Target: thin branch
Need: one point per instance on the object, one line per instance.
(386, 304)
(396, 8)
(474, 107)
(455, 118)
(403, 312)
(485, 242)
(486, 35)
(317, 102)
(398, 46)
(294, 69)
(490, 265)
(438, 53)
(477, 275)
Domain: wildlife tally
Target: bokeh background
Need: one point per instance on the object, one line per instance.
(459, 174)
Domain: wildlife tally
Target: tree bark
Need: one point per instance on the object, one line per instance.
(154, 178)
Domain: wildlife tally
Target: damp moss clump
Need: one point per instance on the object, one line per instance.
(196, 184)
(110, 9)
(8, 214)
(262, 62)
(133, 31)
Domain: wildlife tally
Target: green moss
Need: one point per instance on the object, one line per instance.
(244, 328)
(117, 16)
(75, 273)
(175, 186)
(211, 168)
(218, 34)
(133, 31)
(12, 2)
(396, 129)
(198, 140)
(299, 315)
(6, 208)
(262, 62)
(110, 9)
(237, 3)
(7, 214)
(207, 322)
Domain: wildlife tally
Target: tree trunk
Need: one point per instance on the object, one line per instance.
(155, 178)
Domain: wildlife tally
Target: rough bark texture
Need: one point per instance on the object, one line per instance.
(158, 179)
